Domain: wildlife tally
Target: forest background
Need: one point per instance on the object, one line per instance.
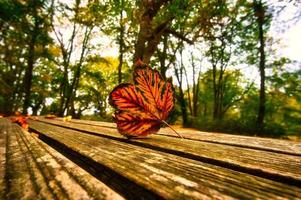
(63, 57)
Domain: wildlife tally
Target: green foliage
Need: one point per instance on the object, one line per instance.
(24, 40)
(99, 78)
(239, 126)
(71, 74)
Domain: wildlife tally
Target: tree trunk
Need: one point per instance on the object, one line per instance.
(162, 57)
(63, 88)
(195, 96)
(66, 51)
(182, 102)
(215, 93)
(180, 97)
(195, 88)
(30, 64)
(36, 108)
(71, 93)
(121, 43)
(260, 14)
(188, 92)
(218, 79)
(149, 36)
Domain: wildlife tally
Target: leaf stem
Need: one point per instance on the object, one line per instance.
(172, 129)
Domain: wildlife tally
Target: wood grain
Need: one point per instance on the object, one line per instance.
(277, 145)
(36, 171)
(3, 135)
(282, 168)
(169, 176)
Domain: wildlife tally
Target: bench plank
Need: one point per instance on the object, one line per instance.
(285, 168)
(3, 133)
(169, 176)
(277, 145)
(36, 171)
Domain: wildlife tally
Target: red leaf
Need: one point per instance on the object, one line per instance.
(144, 106)
(20, 120)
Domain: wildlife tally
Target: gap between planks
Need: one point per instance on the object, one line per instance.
(81, 146)
(36, 171)
(262, 144)
(268, 173)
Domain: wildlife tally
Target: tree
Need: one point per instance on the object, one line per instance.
(179, 73)
(12, 54)
(260, 13)
(195, 87)
(223, 22)
(232, 92)
(284, 102)
(121, 38)
(82, 20)
(37, 31)
(155, 19)
(99, 78)
(24, 39)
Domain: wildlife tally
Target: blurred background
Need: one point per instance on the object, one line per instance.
(235, 65)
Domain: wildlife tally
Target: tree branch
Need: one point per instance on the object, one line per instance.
(179, 35)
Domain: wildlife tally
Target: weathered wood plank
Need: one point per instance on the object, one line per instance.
(283, 168)
(2, 157)
(167, 175)
(258, 143)
(275, 145)
(22, 174)
(36, 171)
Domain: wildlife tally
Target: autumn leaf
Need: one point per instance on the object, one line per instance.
(67, 118)
(20, 120)
(142, 107)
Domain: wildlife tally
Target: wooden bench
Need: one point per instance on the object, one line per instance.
(90, 160)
